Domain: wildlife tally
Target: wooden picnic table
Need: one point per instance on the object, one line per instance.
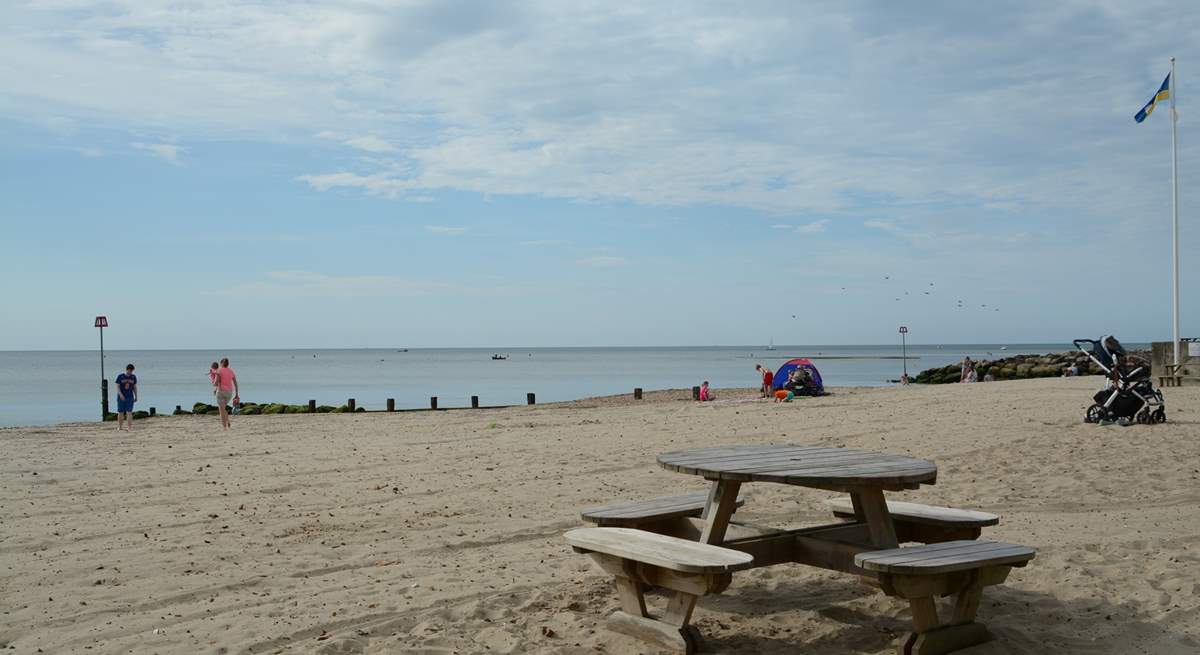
(864, 475)
(694, 552)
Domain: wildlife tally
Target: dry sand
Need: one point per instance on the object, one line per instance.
(440, 533)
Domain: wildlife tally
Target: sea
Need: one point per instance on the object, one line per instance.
(47, 387)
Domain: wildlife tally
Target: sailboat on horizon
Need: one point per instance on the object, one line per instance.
(771, 344)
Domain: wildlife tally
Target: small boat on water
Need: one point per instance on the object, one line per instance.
(499, 357)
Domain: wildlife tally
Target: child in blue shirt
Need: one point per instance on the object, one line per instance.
(126, 395)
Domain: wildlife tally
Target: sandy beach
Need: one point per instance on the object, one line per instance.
(441, 532)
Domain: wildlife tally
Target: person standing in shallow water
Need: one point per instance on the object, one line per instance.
(126, 396)
(227, 390)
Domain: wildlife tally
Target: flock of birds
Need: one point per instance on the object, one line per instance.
(959, 303)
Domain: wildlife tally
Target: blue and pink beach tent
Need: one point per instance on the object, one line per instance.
(785, 371)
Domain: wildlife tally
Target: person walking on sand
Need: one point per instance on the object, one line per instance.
(967, 366)
(767, 377)
(227, 390)
(126, 396)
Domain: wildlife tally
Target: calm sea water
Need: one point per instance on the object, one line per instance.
(56, 386)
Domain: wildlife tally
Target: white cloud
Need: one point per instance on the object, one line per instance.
(308, 284)
(781, 226)
(446, 230)
(367, 142)
(379, 184)
(603, 261)
(370, 143)
(545, 243)
(813, 227)
(781, 107)
(165, 151)
(885, 225)
(90, 152)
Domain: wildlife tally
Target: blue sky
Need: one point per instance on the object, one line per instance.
(361, 173)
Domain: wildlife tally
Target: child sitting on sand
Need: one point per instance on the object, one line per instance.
(704, 393)
(784, 395)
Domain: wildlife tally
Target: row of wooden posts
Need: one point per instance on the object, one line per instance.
(530, 399)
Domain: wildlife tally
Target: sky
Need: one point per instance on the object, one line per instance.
(369, 173)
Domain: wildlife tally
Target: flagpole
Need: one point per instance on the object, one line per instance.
(1175, 213)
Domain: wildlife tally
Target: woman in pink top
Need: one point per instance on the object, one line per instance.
(705, 395)
(227, 390)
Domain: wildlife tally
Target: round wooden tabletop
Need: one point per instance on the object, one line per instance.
(810, 466)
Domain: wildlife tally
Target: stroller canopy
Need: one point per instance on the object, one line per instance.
(785, 371)
(1106, 350)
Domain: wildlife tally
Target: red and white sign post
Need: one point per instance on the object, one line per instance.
(904, 348)
(102, 322)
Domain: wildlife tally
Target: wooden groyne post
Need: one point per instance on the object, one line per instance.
(433, 402)
(312, 406)
(530, 399)
(474, 402)
(350, 404)
(391, 404)
(695, 393)
(637, 393)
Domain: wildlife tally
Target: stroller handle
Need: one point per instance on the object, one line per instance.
(1079, 341)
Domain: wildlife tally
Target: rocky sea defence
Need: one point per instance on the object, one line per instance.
(1020, 367)
(271, 408)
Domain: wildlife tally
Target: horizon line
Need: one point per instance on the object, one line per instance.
(516, 348)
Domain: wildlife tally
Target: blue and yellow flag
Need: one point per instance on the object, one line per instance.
(1163, 93)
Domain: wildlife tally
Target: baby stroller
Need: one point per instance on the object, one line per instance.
(1129, 393)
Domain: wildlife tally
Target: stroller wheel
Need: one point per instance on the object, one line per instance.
(1094, 414)
(1144, 417)
(1159, 415)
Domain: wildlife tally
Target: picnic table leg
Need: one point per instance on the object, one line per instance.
(633, 601)
(670, 632)
(875, 513)
(722, 500)
(931, 636)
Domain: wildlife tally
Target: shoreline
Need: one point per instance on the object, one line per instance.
(650, 396)
(65, 387)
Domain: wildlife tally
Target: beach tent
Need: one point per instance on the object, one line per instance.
(781, 376)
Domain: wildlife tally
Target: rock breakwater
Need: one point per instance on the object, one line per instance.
(1020, 367)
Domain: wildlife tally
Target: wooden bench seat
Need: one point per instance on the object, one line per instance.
(922, 573)
(641, 513)
(925, 523)
(637, 558)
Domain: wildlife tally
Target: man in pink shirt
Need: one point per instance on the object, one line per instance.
(227, 390)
